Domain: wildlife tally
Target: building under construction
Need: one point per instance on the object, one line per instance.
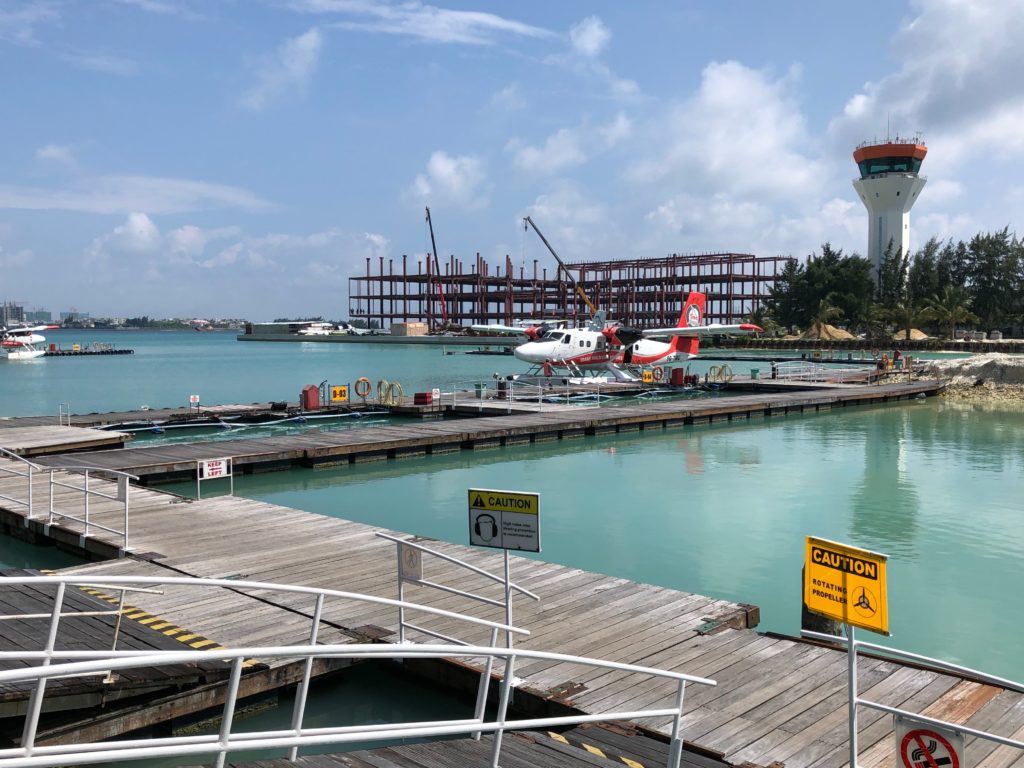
(647, 292)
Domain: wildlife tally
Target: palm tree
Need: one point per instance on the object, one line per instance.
(826, 311)
(906, 313)
(762, 318)
(951, 307)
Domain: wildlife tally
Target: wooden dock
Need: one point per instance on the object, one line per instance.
(778, 700)
(162, 463)
(33, 441)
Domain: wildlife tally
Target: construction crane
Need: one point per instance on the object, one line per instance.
(590, 305)
(437, 271)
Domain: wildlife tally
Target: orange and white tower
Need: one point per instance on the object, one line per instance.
(888, 185)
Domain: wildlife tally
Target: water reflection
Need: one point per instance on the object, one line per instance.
(885, 501)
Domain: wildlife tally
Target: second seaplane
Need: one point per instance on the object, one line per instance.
(20, 342)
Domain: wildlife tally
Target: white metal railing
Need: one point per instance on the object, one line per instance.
(64, 414)
(227, 741)
(19, 467)
(50, 653)
(410, 570)
(853, 647)
(122, 496)
(806, 370)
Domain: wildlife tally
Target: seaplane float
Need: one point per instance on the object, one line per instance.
(19, 343)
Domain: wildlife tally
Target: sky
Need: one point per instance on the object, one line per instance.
(243, 158)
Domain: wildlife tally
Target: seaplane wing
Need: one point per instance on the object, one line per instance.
(25, 330)
(492, 329)
(714, 329)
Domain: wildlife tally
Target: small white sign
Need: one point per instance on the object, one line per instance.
(410, 563)
(435, 393)
(193, 399)
(504, 519)
(212, 468)
(923, 745)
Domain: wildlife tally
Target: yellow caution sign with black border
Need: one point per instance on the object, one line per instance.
(339, 394)
(504, 519)
(847, 584)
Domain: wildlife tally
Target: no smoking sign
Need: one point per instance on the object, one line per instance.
(923, 745)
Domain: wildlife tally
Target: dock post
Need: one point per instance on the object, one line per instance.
(851, 649)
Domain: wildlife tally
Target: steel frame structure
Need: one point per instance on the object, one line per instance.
(645, 292)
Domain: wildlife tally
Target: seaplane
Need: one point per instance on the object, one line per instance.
(20, 342)
(616, 349)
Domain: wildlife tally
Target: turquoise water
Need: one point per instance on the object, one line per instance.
(720, 510)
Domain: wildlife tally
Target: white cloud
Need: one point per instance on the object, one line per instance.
(425, 22)
(587, 41)
(459, 181)
(565, 148)
(138, 235)
(58, 153)
(580, 226)
(12, 260)
(163, 8)
(741, 133)
(102, 62)
(561, 150)
(125, 194)
(18, 21)
(293, 65)
(509, 99)
(959, 83)
(589, 37)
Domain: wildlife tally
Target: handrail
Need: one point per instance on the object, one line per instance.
(227, 741)
(32, 468)
(123, 480)
(852, 648)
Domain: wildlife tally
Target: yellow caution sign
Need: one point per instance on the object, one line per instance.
(847, 584)
(339, 394)
(648, 377)
(504, 501)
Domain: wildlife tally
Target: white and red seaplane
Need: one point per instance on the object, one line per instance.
(615, 349)
(20, 342)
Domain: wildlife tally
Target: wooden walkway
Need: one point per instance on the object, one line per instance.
(32, 441)
(777, 700)
(584, 747)
(174, 462)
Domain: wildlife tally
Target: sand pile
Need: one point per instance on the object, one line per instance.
(915, 335)
(826, 332)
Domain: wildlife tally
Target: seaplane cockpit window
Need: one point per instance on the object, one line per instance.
(552, 336)
(567, 339)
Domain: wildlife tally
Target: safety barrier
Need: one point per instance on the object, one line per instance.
(801, 370)
(853, 647)
(87, 663)
(61, 478)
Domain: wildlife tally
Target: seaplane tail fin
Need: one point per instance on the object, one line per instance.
(692, 316)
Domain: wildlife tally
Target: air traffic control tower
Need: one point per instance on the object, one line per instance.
(888, 185)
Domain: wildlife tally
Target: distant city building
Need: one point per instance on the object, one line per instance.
(39, 316)
(73, 316)
(888, 186)
(11, 313)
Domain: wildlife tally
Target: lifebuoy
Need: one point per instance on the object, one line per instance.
(363, 386)
(874, 353)
(657, 372)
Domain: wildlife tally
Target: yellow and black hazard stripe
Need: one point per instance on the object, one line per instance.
(156, 623)
(594, 750)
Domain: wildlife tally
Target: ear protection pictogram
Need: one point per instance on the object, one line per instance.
(490, 525)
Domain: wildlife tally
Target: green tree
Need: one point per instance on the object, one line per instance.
(923, 277)
(825, 311)
(892, 276)
(953, 306)
(788, 295)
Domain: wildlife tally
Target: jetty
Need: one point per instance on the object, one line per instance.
(778, 700)
(486, 424)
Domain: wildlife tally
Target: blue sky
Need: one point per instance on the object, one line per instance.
(244, 157)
